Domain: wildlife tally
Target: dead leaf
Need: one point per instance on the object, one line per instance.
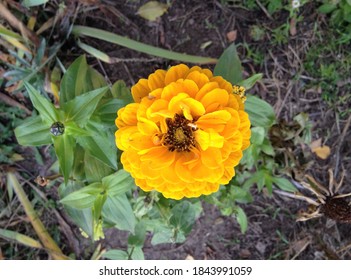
(316, 144)
(322, 152)
(261, 247)
(17, 157)
(293, 26)
(245, 254)
(232, 35)
(41, 181)
(297, 247)
(152, 10)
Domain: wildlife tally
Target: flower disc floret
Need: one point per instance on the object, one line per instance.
(185, 132)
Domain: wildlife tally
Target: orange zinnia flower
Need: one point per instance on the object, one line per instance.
(185, 132)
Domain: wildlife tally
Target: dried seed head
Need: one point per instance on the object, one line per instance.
(337, 209)
(57, 129)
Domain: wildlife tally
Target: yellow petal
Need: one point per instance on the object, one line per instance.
(149, 173)
(216, 140)
(236, 141)
(215, 120)
(205, 71)
(244, 121)
(176, 105)
(233, 102)
(171, 90)
(140, 142)
(222, 83)
(128, 115)
(202, 138)
(220, 96)
(140, 90)
(123, 136)
(158, 110)
(212, 158)
(147, 127)
(158, 157)
(205, 89)
(190, 87)
(157, 80)
(155, 94)
(181, 169)
(170, 176)
(234, 158)
(232, 126)
(196, 108)
(199, 78)
(176, 72)
(202, 173)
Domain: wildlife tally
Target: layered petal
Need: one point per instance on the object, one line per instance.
(184, 134)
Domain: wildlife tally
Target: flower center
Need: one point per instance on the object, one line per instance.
(179, 136)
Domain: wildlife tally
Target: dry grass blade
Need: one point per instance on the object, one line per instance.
(48, 243)
(297, 196)
(9, 101)
(20, 238)
(15, 23)
(81, 31)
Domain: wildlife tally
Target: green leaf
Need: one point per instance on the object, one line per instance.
(164, 235)
(118, 183)
(97, 207)
(73, 129)
(117, 211)
(120, 91)
(33, 132)
(152, 10)
(136, 253)
(284, 184)
(79, 164)
(241, 218)
(64, 148)
(116, 255)
(229, 65)
(241, 195)
(46, 109)
(83, 198)
(327, 8)
(32, 3)
(135, 45)
(260, 112)
(250, 82)
(107, 111)
(138, 238)
(267, 148)
(72, 83)
(183, 216)
(94, 169)
(83, 218)
(80, 108)
(100, 146)
(78, 79)
(257, 135)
